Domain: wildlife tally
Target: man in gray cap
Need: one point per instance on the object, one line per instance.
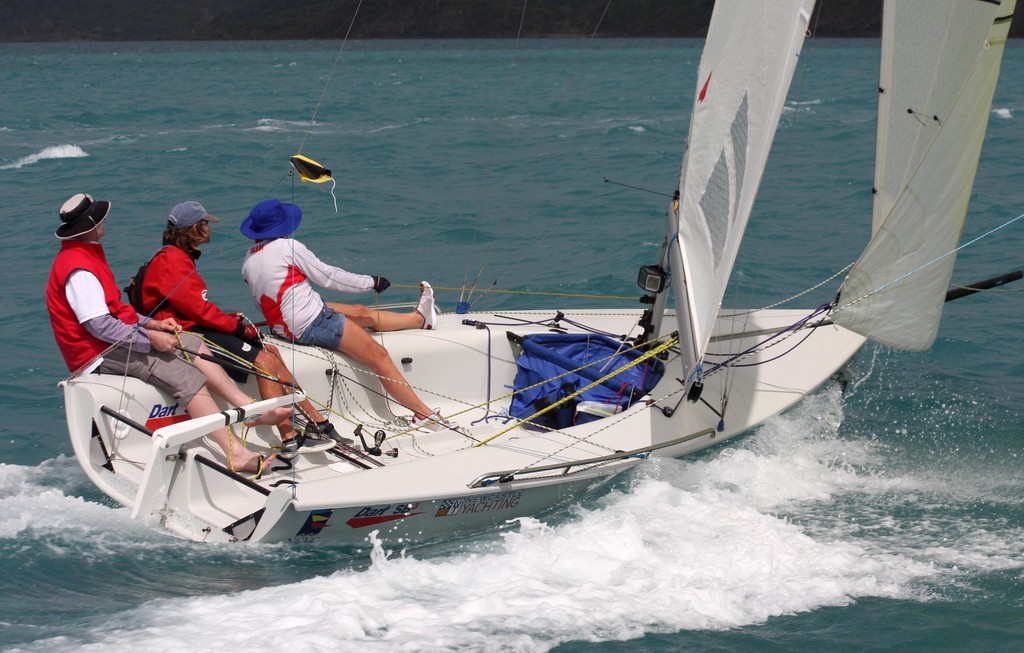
(97, 332)
(172, 288)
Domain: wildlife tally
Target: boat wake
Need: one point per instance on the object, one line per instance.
(793, 518)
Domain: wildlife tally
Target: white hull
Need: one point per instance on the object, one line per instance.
(437, 483)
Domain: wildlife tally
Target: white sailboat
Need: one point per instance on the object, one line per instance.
(940, 61)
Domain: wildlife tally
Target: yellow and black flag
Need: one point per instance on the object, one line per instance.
(310, 170)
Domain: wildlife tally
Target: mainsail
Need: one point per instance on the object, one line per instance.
(940, 62)
(744, 75)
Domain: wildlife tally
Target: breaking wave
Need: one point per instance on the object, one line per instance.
(54, 152)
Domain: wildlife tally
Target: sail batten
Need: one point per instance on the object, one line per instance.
(940, 61)
(742, 82)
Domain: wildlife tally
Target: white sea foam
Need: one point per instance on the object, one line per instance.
(654, 560)
(403, 125)
(54, 152)
(806, 105)
(709, 544)
(275, 125)
(35, 503)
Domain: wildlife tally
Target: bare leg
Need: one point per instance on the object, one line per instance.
(240, 459)
(269, 389)
(218, 381)
(272, 361)
(357, 344)
(316, 419)
(370, 318)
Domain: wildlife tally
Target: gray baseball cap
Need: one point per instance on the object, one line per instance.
(186, 214)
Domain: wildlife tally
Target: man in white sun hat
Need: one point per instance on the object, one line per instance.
(97, 332)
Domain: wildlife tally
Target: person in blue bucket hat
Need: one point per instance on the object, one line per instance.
(280, 272)
(172, 286)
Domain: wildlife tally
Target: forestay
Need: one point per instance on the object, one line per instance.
(744, 75)
(940, 62)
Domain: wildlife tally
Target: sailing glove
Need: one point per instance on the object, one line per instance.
(380, 284)
(246, 331)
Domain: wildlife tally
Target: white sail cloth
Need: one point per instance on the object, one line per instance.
(940, 62)
(745, 72)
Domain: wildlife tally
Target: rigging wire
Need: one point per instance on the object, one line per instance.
(639, 188)
(533, 160)
(330, 75)
(502, 291)
(305, 137)
(922, 267)
(490, 154)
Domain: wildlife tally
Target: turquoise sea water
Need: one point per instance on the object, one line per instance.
(883, 517)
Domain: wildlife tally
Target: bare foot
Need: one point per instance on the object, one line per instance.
(271, 417)
(248, 461)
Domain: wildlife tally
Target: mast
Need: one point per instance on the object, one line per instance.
(744, 75)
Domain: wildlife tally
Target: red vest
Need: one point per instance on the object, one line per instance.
(78, 346)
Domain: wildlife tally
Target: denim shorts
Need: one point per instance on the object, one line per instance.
(325, 331)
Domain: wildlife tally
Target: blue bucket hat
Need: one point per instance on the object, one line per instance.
(271, 219)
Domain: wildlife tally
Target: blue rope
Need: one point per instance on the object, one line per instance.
(937, 259)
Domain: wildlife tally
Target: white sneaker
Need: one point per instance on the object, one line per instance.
(426, 306)
(434, 422)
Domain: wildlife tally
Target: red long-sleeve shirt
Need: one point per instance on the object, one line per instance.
(172, 275)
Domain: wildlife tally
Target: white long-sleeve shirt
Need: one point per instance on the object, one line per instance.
(279, 272)
(85, 294)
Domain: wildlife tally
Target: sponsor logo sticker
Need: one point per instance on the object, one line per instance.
(374, 515)
(161, 416)
(484, 503)
(316, 522)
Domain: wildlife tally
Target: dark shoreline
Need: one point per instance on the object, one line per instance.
(199, 20)
(24, 21)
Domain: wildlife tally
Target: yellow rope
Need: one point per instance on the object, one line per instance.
(668, 344)
(672, 341)
(181, 345)
(522, 292)
(226, 354)
(509, 395)
(653, 352)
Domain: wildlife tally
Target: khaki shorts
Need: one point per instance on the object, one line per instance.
(165, 370)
